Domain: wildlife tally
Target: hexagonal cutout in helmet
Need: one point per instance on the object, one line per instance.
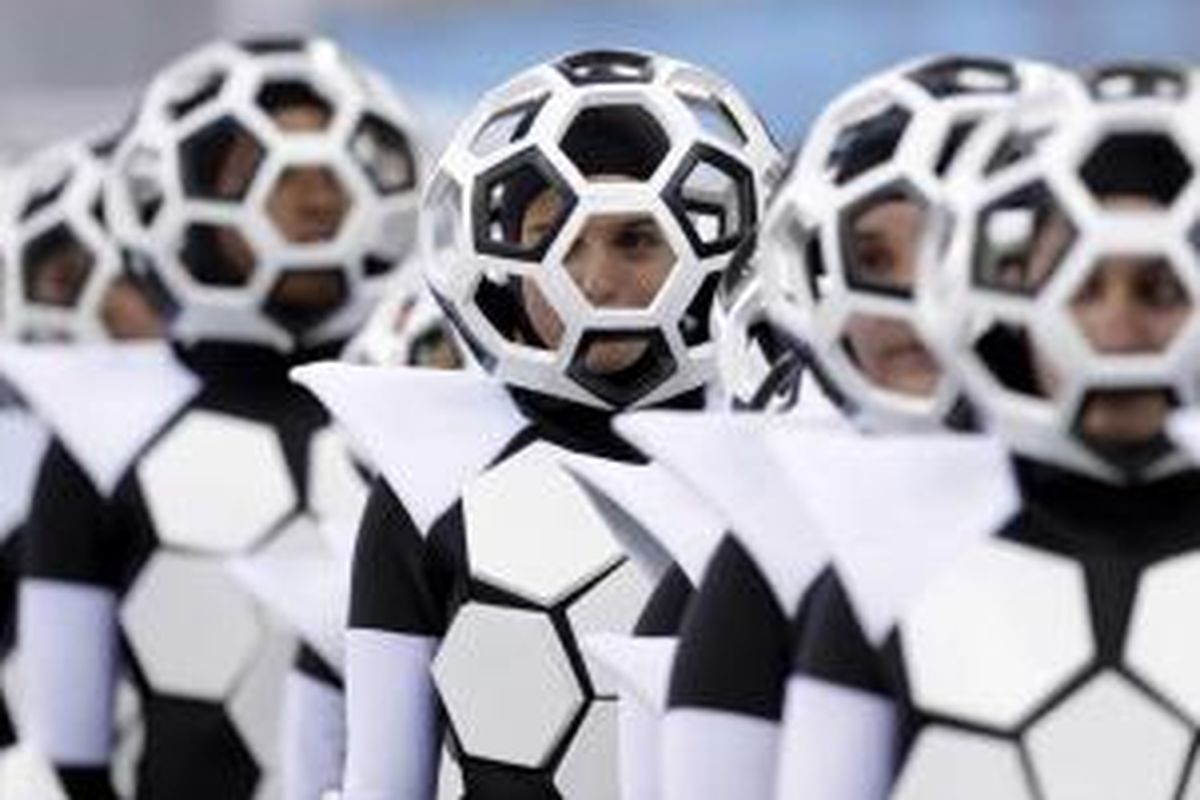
(1131, 305)
(1147, 165)
(607, 66)
(217, 255)
(956, 75)
(519, 207)
(1021, 240)
(879, 236)
(507, 126)
(1115, 82)
(714, 198)
(715, 118)
(139, 179)
(308, 204)
(615, 142)
(1007, 352)
(1126, 427)
(301, 300)
(55, 266)
(199, 90)
(889, 354)
(520, 313)
(622, 367)
(620, 261)
(219, 161)
(295, 105)
(385, 155)
(867, 144)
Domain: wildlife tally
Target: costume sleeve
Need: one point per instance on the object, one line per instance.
(68, 632)
(396, 620)
(721, 730)
(839, 728)
(314, 729)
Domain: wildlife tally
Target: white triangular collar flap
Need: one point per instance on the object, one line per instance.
(1184, 429)
(641, 665)
(427, 432)
(723, 457)
(896, 510)
(104, 402)
(670, 522)
(23, 441)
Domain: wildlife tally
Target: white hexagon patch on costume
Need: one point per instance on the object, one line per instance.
(997, 634)
(1109, 741)
(532, 531)
(236, 466)
(507, 684)
(1162, 647)
(184, 605)
(944, 762)
(589, 769)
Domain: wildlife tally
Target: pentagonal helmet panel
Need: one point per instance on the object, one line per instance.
(1160, 648)
(531, 530)
(589, 769)
(192, 628)
(238, 468)
(1109, 740)
(611, 606)
(519, 707)
(997, 635)
(944, 760)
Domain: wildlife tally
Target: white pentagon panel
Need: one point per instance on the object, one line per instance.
(531, 529)
(944, 761)
(997, 634)
(611, 606)
(336, 489)
(216, 483)
(1161, 646)
(257, 701)
(589, 769)
(193, 629)
(506, 683)
(1109, 741)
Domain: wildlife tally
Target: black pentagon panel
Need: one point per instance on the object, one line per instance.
(1145, 164)
(504, 307)
(878, 235)
(624, 141)
(1021, 240)
(867, 144)
(55, 267)
(219, 161)
(217, 255)
(695, 326)
(507, 126)
(301, 300)
(519, 207)
(607, 66)
(376, 265)
(384, 154)
(623, 388)
(490, 779)
(955, 75)
(1130, 80)
(1006, 352)
(714, 198)
(193, 750)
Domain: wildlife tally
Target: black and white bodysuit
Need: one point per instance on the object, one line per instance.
(1053, 658)
(480, 565)
(137, 516)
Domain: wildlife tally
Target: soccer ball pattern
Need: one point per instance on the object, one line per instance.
(1032, 227)
(198, 181)
(702, 184)
(921, 114)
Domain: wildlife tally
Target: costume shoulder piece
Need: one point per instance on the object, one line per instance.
(724, 458)
(640, 664)
(104, 402)
(659, 519)
(426, 431)
(896, 510)
(1184, 429)
(23, 440)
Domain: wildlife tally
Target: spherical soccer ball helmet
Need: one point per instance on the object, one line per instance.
(1062, 287)
(882, 148)
(60, 260)
(268, 190)
(600, 140)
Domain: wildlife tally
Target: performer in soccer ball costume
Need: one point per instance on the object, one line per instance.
(1045, 649)
(65, 287)
(266, 193)
(578, 226)
(843, 231)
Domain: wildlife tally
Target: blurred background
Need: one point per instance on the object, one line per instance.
(68, 65)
